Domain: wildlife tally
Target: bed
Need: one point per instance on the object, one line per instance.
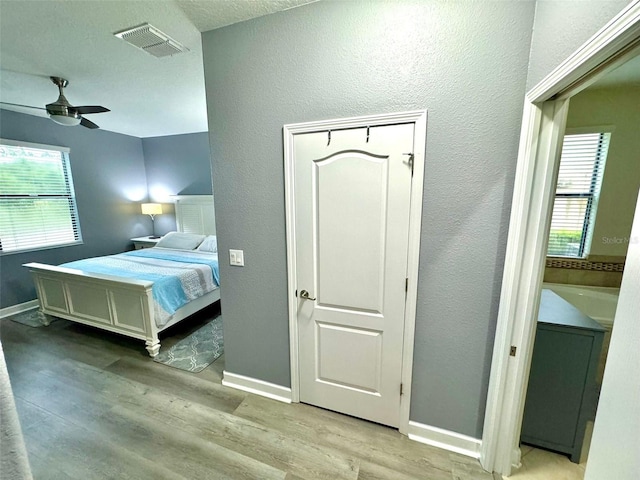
(104, 292)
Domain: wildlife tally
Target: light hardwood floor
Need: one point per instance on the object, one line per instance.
(538, 464)
(93, 405)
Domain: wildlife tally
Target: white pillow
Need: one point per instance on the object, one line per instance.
(209, 244)
(182, 241)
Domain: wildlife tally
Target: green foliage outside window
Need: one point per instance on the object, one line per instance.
(564, 243)
(37, 206)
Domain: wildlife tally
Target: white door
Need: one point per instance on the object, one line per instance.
(352, 198)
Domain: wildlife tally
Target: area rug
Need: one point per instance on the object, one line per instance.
(31, 318)
(197, 351)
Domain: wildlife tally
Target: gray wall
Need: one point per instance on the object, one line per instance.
(176, 165)
(466, 62)
(109, 179)
(561, 27)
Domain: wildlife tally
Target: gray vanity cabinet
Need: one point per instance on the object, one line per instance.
(562, 395)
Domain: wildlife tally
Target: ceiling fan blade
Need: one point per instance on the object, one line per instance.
(88, 123)
(91, 109)
(19, 105)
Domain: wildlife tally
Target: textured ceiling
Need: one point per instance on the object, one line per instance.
(210, 14)
(148, 96)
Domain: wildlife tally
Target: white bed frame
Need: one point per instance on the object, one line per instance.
(118, 304)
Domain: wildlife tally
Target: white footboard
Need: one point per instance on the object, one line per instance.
(111, 303)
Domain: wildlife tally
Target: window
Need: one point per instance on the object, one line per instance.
(37, 201)
(579, 179)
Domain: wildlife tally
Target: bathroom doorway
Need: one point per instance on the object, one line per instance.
(596, 193)
(543, 129)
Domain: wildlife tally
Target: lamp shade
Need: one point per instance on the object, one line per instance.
(66, 120)
(151, 208)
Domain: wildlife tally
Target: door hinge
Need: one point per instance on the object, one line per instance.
(512, 351)
(401, 389)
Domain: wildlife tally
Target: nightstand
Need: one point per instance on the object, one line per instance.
(144, 242)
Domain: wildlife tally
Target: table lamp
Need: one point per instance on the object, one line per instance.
(152, 209)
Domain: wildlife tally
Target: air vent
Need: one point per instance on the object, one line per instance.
(151, 40)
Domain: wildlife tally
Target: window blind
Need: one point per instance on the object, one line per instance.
(37, 200)
(579, 180)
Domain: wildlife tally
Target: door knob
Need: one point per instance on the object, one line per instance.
(305, 295)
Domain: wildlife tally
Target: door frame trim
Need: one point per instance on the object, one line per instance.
(544, 117)
(419, 118)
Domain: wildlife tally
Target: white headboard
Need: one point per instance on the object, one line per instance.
(195, 214)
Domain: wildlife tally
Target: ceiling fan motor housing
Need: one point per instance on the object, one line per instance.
(61, 106)
(63, 110)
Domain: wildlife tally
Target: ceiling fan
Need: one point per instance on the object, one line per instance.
(62, 112)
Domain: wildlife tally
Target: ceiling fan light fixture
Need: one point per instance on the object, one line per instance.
(66, 120)
(62, 112)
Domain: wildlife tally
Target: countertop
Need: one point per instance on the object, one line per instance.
(557, 311)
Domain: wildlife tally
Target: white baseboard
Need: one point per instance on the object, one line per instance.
(259, 387)
(445, 439)
(516, 458)
(19, 308)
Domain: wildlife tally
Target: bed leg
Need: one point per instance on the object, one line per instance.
(153, 347)
(44, 318)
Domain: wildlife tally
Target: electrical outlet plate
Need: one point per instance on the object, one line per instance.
(236, 258)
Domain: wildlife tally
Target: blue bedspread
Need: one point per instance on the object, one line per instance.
(178, 276)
